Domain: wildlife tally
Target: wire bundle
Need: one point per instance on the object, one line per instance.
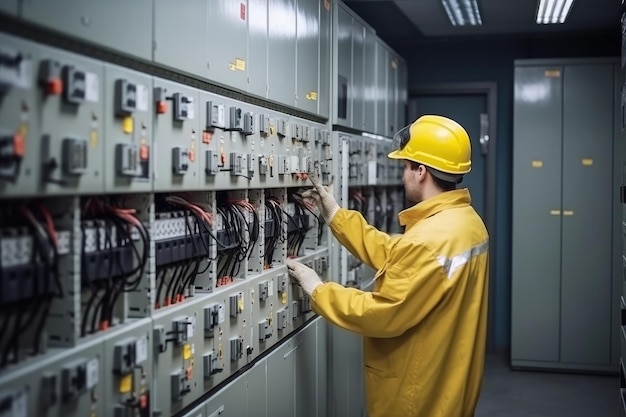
(274, 235)
(116, 233)
(298, 225)
(23, 313)
(181, 275)
(241, 233)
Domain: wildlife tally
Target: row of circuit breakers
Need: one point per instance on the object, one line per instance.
(144, 229)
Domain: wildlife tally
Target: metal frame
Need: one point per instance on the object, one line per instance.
(490, 89)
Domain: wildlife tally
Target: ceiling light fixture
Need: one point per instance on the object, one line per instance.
(553, 11)
(462, 12)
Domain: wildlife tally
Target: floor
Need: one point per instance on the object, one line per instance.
(541, 394)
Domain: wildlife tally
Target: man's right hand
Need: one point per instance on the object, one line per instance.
(322, 196)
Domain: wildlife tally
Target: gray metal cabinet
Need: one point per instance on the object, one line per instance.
(281, 392)
(257, 48)
(325, 62)
(91, 20)
(358, 72)
(369, 88)
(282, 51)
(306, 367)
(229, 402)
(343, 67)
(381, 88)
(307, 49)
(562, 269)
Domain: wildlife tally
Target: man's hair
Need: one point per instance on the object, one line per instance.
(443, 185)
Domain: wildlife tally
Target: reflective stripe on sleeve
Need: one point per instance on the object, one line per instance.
(451, 265)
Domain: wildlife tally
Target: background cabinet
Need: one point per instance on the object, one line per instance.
(563, 215)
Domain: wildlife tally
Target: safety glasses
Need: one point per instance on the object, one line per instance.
(401, 138)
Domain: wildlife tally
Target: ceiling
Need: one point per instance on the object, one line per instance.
(413, 20)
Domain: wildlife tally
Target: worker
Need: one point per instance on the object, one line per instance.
(424, 324)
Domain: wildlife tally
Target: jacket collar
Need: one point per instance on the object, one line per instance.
(433, 205)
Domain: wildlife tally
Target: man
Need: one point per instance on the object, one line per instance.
(424, 325)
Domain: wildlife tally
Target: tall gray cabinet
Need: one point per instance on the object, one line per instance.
(565, 280)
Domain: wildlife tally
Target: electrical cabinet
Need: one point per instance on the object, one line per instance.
(257, 48)
(282, 51)
(562, 270)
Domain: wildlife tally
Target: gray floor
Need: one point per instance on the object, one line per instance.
(541, 394)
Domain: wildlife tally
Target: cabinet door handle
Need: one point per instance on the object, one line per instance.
(555, 212)
(568, 212)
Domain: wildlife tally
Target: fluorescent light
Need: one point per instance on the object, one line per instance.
(553, 11)
(462, 12)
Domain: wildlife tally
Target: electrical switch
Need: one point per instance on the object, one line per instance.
(159, 99)
(160, 339)
(211, 366)
(183, 330)
(306, 134)
(12, 148)
(74, 156)
(183, 107)
(263, 290)
(283, 165)
(236, 119)
(265, 331)
(282, 283)
(75, 85)
(236, 349)
(125, 97)
(50, 77)
(236, 304)
(211, 317)
(180, 160)
(282, 319)
(251, 165)
(296, 131)
(237, 164)
(48, 393)
(281, 128)
(180, 385)
(74, 380)
(264, 125)
(216, 116)
(263, 165)
(15, 69)
(294, 164)
(248, 124)
(212, 164)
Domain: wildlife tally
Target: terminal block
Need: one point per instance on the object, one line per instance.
(75, 83)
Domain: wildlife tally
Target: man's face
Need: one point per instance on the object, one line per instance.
(412, 180)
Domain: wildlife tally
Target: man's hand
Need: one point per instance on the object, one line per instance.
(306, 277)
(323, 198)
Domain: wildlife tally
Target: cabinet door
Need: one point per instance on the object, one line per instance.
(587, 211)
(343, 90)
(536, 264)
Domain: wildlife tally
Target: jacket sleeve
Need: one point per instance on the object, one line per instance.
(413, 285)
(364, 241)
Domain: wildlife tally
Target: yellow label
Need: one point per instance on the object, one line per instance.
(394, 64)
(232, 66)
(240, 64)
(240, 304)
(23, 130)
(272, 130)
(126, 384)
(93, 138)
(568, 212)
(186, 351)
(128, 125)
(587, 162)
(283, 297)
(555, 212)
(311, 95)
(555, 73)
(537, 163)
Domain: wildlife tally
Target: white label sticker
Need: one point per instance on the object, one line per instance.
(190, 106)
(193, 349)
(142, 97)
(92, 87)
(93, 373)
(191, 326)
(141, 348)
(371, 172)
(270, 288)
(220, 314)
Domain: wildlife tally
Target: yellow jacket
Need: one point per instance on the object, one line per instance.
(425, 322)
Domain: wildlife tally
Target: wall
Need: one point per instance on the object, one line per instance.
(489, 60)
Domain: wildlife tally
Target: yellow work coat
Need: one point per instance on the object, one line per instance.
(424, 325)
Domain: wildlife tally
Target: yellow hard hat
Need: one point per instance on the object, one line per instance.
(437, 142)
